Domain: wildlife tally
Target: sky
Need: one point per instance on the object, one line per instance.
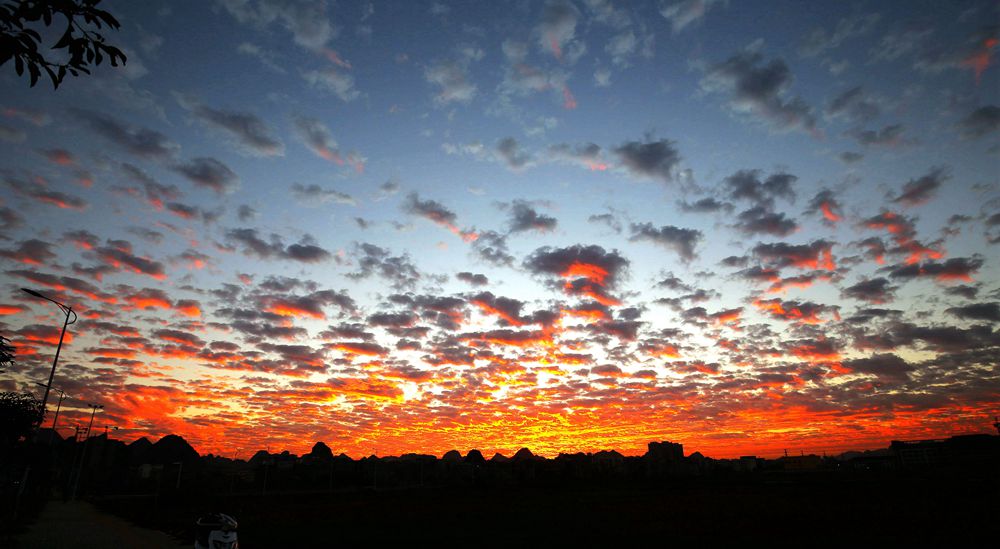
(569, 225)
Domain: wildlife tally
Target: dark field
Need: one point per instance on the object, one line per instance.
(781, 509)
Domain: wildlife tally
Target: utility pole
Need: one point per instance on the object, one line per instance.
(83, 453)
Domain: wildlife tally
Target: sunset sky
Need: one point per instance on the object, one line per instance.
(569, 225)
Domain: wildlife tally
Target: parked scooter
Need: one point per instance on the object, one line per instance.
(216, 531)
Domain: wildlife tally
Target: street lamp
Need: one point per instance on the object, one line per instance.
(62, 396)
(69, 311)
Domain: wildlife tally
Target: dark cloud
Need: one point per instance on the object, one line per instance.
(889, 136)
(312, 195)
(317, 137)
(705, 205)
(58, 156)
(491, 247)
(956, 268)
(430, 209)
(305, 252)
(804, 312)
(118, 254)
(825, 203)
(373, 260)
(760, 90)
(734, 261)
(248, 130)
(884, 366)
(311, 304)
(918, 191)
(40, 193)
(81, 238)
(758, 274)
(509, 310)
(187, 211)
(748, 185)
(510, 151)
(392, 320)
(875, 290)
(63, 283)
(978, 311)
(139, 141)
(474, 279)
(154, 192)
(849, 157)
(815, 255)
(758, 220)
(968, 292)
(671, 282)
(651, 159)
(523, 217)
(436, 212)
(591, 262)
(245, 213)
(209, 173)
(625, 330)
(682, 241)
(9, 220)
(587, 155)
(185, 339)
(946, 339)
(149, 235)
(980, 122)
(253, 244)
(855, 105)
(607, 219)
(446, 312)
(347, 331)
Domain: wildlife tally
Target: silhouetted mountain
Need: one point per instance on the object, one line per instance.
(499, 458)
(452, 456)
(475, 457)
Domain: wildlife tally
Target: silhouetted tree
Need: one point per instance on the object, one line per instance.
(84, 46)
(20, 413)
(6, 353)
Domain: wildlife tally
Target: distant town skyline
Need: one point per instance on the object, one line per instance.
(566, 225)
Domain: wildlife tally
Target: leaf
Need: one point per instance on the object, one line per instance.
(52, 76)
(19, 65)
(33, 73)
(66, 38)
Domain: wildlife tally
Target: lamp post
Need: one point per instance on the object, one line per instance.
(69, 311)
(62, 396)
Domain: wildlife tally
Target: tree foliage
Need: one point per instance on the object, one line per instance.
(20, 413)
(6, 353)
(83, 45)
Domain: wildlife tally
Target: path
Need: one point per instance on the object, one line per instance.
(79, 525)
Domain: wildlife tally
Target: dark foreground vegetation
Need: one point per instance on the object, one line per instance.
(779, 509)
(945, 491)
